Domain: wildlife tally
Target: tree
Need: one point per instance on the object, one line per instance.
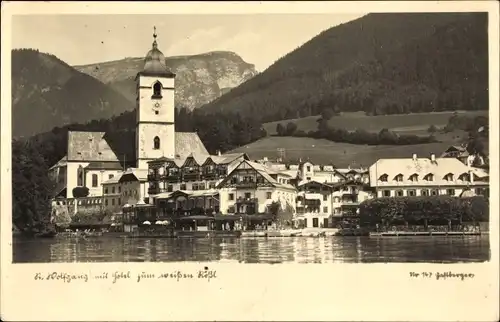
(432, 129)
(273, 209)
(280, 129)
(327, 114)
(290, 129)
(31, 189)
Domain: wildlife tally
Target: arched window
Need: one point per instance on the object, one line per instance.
(156, 143)
(94, 180)
(157, 89)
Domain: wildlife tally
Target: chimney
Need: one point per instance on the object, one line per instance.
(471, 174)
(433, 157)
(218, 153)
(414, 157)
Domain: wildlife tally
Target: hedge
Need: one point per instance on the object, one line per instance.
(424, 209)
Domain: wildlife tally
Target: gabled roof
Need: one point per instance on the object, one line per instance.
(201, 159)
(228, 158)
(262, 170)
(113, 180)
(138, 174)
(101, 146)
(314, 182)
(99, 165)
(187, 143)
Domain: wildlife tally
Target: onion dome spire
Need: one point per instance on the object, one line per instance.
(154, 63)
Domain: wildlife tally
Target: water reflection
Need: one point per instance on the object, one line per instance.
(255, 250)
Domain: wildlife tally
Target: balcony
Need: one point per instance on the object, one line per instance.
(242, 200)
(210, 175)
(172, 178)
(191, 176)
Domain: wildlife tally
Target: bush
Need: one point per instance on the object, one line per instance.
(80, 192)
(422, 209)
(89, 218)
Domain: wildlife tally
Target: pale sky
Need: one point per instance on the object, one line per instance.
(259, 39)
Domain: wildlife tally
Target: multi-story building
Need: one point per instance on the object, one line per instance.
(251, 187)
(192, 173)
(111, 198)
(328, 195)
(185, 185)
(426, 177)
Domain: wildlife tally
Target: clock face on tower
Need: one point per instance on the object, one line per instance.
(156, 106)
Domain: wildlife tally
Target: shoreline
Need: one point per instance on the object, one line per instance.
(307, 232)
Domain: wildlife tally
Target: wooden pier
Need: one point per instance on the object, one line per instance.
(424, 233)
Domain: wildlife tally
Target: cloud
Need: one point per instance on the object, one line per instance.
(198, 41)
(244, 43)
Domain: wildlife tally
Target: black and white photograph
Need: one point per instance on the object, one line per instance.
(251, 138)
(258, 160)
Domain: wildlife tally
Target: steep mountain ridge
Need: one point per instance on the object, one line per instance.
(381, 63)
(47, 92)
(200, 78)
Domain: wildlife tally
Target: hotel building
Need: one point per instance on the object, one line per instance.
(426, 177)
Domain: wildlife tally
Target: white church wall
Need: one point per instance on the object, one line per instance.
(72, 176)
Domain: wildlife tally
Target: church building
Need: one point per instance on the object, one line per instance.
(96, 157)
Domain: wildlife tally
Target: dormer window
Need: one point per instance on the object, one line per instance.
(464, 177)
(414, 177)
(157, 90)
(399, 178)
(429, 177)
(384, 178)
(448, 177)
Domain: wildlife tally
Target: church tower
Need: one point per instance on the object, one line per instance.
(155, 132)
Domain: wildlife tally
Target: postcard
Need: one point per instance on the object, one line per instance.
(250, 161)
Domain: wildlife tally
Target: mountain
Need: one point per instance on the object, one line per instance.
(47, 92)
(200, 78)
(381, 63)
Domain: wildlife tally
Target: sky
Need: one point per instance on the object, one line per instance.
(260, 39)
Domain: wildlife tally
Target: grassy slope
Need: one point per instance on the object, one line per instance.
(341, 154)
(401, 123)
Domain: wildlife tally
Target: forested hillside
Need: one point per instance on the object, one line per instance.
(380, 64)
(47, 92)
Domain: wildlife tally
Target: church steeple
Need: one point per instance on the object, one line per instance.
(154, 63)
(155, 131)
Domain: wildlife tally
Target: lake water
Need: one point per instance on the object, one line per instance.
(255, 250)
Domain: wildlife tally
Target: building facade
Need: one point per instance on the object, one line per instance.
(250, 188)
(426, 177)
